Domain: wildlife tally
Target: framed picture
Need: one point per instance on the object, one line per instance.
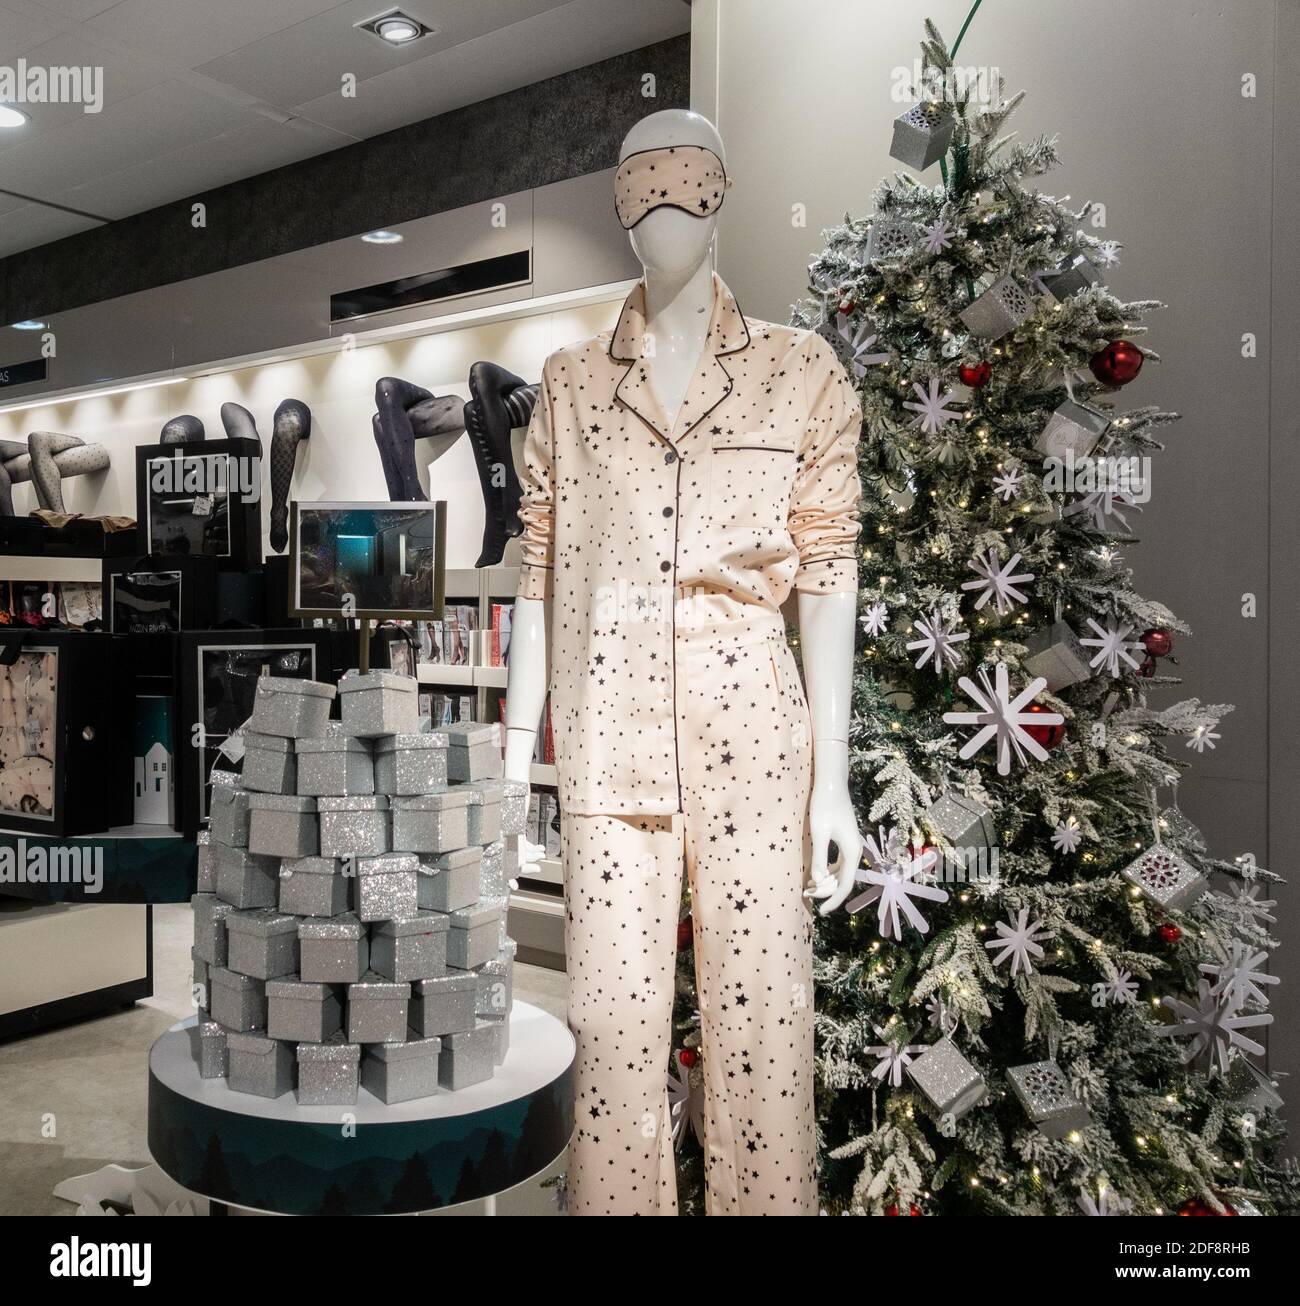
(159, 594)
(367, 560)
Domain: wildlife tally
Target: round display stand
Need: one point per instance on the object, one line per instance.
(369, 1159)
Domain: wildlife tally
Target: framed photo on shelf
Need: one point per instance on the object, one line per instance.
(160, 594)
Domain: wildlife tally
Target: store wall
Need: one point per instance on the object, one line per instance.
(1147, 100)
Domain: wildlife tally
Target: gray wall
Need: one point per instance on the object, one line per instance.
(1147, 100)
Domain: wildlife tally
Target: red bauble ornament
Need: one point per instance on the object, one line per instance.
(1195, 1206)
(975, 374)
(1047, 736)
(1169, 933)
(912, 1209)
(687, 1057)
(684, 935)
(1147, 668)
(847, 305)
(1117, 364)
(1159, 643)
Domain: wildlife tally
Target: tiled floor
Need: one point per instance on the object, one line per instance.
(74, 1098)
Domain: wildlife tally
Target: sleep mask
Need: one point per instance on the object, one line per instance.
(686, 177)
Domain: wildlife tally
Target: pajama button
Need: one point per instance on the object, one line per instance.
(668, 512)
(665, 565)
(671, 456)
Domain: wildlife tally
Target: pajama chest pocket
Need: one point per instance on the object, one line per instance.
(751, 474)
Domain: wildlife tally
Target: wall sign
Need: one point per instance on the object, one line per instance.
(22, 373)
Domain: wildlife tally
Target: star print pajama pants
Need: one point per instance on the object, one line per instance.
(744, 763)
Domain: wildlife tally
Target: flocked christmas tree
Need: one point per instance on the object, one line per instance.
(1047, 997)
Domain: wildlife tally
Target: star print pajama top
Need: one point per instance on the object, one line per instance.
(682, 736)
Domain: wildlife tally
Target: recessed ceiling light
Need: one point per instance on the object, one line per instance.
(397, 28)
(10, 117)
(30, 324)
(383, 237)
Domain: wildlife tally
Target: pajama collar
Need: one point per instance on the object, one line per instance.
(728, 330)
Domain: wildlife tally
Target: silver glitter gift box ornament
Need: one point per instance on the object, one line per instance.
(209, 1041)
(1043, 1091)
(228, 816)
(473, 751)
(299, 1011)
(333, 951)
(246, 879)
(259, 1065)
(888, 238)
(401, 1072)
(377, 1010)
(1165, 878)
(207, 863)
(444, 1005)
(484, 811)
(335, 765)
(946, 1079)
(493, 880)
(410, 947)
(500, 1027)
(292, 708)
(377, 703)
(1072, 274)
(964, 822)
(270, 766)
(314, 886)
(922, 135)
(1056, 655)
(328, 1073)
(386, 887)
(1072, 432)
(468, 1057)
(237, 1001)
(1250, 1088)
(474, 935)
(358, 826)
(997, 310)
(494, 995)
(448, 881)
(210, 915)
(199, 981)
(514, 807)
(263, 944)
(411, 764)
(283, 825)
(432, 823)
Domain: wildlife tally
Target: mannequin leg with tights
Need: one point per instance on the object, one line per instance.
(405, 413)
(55, 456)
(9, 449)
(185, 429)
(292, 425)
(500, 401)
(239, 424)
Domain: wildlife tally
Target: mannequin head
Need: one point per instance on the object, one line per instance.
(668, 240)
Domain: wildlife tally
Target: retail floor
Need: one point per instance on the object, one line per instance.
(74, 1098)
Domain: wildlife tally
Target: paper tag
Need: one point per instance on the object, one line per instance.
(202, 505)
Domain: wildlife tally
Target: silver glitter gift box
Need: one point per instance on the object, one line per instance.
(473, 751)
(1250, 1088)
(500, 1027)
(411, 764)
(270, 766)
(377, 1010)
(922, 135)
(494, 995)
(947, 1080)
(283, 825)
(302, 1012)
(432, 823)
(888, 238)
(964, 822)
(1072, 432)
(263, 944)
(1165, 878)
(386, 887)
(474, 935)
(314, 886)
(377, 703)
(410, 947)
(210, 915)
(493, 879)
(356, 826)
(333, 951)
(328, 1073)
(401, 1072)
(207, 882)
(514, 807)
(1043, 1091)
(999, 309)
(210, 1054)
(335, 765)
(237, 1001)
(295, 709)
(246, 879)
(228, 816)
(444, 1005)
(468, 1057)
(259, 1065)
(1056, 655)
(484, 811)
(1072, 274)
(199, 982)
(449, 880)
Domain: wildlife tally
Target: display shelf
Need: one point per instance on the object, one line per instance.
(26, 567)
(542, 773)
(444, 673)
(536, 923)
(548, 871)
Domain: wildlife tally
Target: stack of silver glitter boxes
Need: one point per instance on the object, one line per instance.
(350, 923)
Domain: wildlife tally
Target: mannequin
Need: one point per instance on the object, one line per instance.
(46, 458)
(406, 412)
(694, 391)
(499, 402)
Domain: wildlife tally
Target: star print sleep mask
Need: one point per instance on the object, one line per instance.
(686, 177)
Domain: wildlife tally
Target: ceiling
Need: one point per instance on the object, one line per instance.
(199, 93)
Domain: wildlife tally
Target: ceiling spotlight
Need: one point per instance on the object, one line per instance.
(10, 117)
(30, 324)
(396, 28)
(383, 237)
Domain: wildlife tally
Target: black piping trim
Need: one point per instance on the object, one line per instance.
(677, 518)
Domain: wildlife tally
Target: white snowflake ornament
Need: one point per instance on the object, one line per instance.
(1113, 647)
(1123, 988)
(859, 341)
(1002, 718)
(1067, 835)
(1203, 737)
(893, 876)
(938, 641)
(1006, 484)
(1019, 942)
(875, 619)
(931, 412)
(1211, 1026)
(1240, 980)
(1247, 900)
(685, 1103)
(997, 581)
(938, 236)
(941, 1015)
(892, 1058)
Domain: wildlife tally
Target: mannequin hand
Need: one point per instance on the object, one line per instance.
(831, 817)
(518, 766)
(530, 852)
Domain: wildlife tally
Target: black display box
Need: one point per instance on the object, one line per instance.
(159, 594)
(201, 498)
(66, 705)
(30, 536)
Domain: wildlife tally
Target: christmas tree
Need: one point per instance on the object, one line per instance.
(1048, 998)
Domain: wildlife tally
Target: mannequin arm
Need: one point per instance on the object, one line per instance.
(826, 638)
(525, 696)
